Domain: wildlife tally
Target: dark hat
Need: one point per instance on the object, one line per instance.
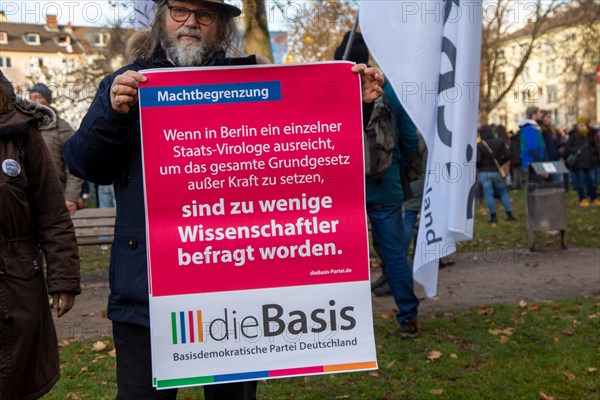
(228, 9)
(43, 90)
(359, 53)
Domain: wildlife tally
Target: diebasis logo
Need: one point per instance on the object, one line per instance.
(186, 327)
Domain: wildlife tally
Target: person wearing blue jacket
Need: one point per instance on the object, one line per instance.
(107, 149)
(533, 147)
(384, 198)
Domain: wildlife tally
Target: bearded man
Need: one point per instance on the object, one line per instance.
(106, 149)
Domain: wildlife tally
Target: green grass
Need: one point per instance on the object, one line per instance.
(503, 352)
(583, 226)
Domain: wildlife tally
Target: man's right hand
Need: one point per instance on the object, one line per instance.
(124, 91)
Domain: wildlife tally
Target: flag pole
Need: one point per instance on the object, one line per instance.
(351, 39)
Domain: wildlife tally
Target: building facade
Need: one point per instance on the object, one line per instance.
(559, 75)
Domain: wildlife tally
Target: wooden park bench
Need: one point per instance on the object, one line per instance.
(94, 226)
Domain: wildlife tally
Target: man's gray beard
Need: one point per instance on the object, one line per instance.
(185, 57)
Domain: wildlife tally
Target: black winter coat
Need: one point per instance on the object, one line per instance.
(585, 147)
(485, 161)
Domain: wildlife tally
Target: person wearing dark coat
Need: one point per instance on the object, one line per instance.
(34, 224)
(582, 147)
(107, 149)
(492, 148)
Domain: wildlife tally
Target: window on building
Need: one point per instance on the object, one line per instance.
(552, 94)
(3, 37)
(32, 38)
(501, 78)
(524, 47)
(5, 62)
(64, 40)
(551, 69)
(101, 39)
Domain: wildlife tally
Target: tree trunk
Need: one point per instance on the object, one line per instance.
(256, 35)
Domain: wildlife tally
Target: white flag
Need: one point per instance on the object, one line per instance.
(430, 51)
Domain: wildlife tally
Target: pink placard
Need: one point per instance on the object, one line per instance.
(254, 177)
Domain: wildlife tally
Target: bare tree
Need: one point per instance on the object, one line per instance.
(498, 19)
(580, 54)
(75, 79)
(316, 28)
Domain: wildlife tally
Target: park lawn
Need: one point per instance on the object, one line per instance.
(583, 227)
(504, 352)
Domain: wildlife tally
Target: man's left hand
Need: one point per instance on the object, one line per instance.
(371, 82)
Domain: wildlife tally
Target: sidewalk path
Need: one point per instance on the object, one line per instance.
(508, 276)
(498, 276)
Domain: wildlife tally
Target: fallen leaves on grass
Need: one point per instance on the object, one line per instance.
(506, 332)
(434, 355)
(483, 310)
(437, 391)
(99, 346)
(544, 396)
(523, 304)
(568, 331)
(570, 376)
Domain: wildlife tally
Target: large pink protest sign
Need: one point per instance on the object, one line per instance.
(253, 178)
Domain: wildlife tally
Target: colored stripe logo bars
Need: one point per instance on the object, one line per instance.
(186, 327)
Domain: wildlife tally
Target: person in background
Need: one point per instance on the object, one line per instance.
(106, 149)
(552, 140)
(491, 150)
(55, 136)
(384, 204)
(582, 145)
(33, 217)
(516, 176)
(532, 145)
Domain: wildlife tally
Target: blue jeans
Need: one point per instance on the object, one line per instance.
(388, 238)
(106, 196)
(582, 180)
(410, 219)
(492, 181)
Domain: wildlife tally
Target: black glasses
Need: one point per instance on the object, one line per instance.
(181, 14)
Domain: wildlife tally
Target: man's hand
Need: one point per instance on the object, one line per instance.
(62, 302)
(124, 91)
(71, 206)
(371, 82)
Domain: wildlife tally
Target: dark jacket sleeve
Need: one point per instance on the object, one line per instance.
(53, 226)
(408, 140)
(99, 149)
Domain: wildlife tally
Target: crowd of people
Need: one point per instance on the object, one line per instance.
(504, 158)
